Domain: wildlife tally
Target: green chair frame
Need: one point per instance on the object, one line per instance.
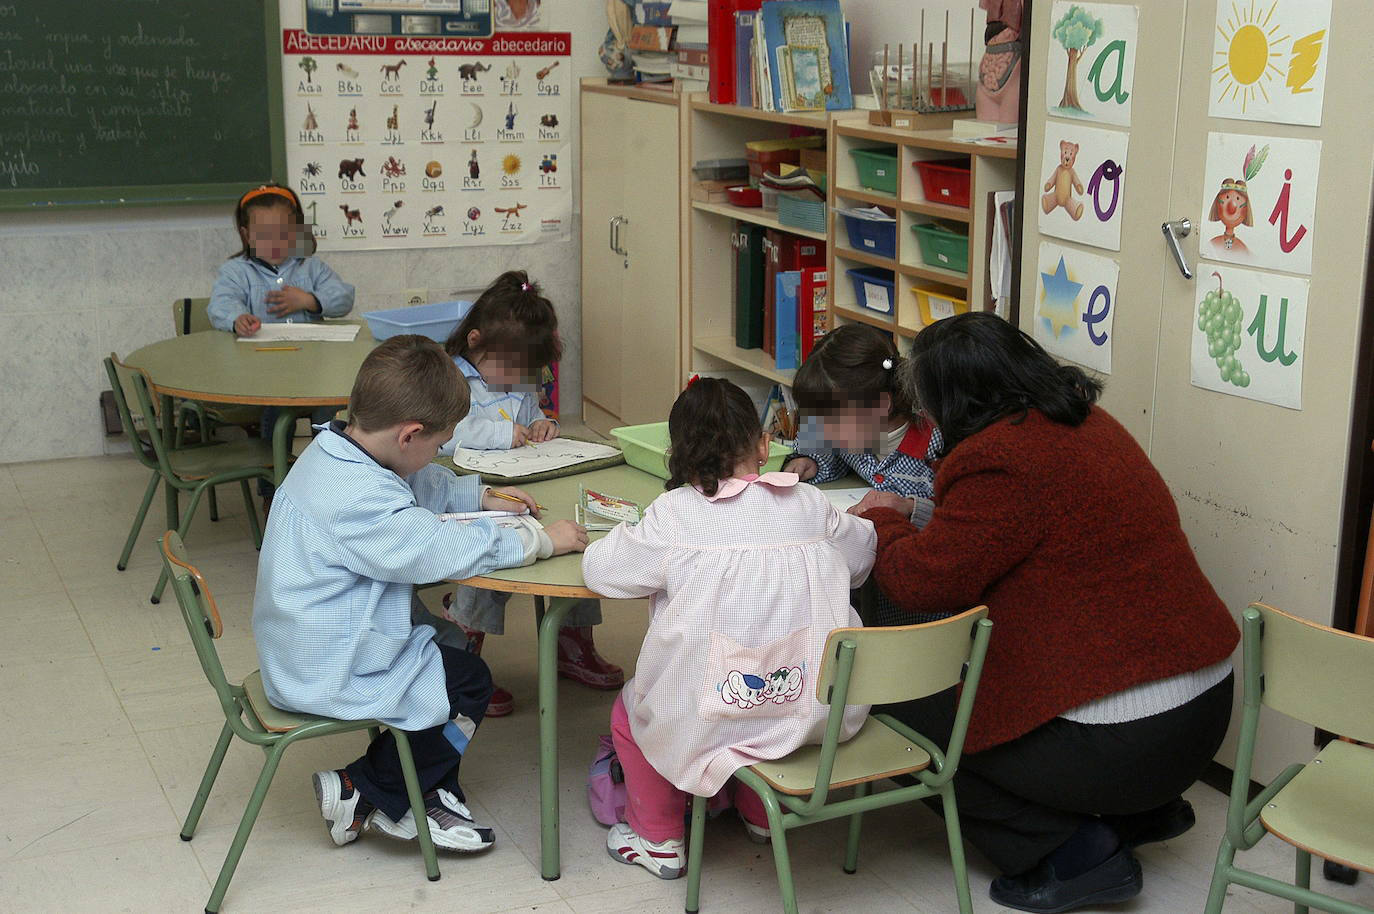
(247, 716)
(195, 470)
(192, 315)
(869, 666)
(1321, 676)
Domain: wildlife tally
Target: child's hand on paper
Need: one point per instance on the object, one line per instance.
(804, 467)
(246, 325)
(542, 430)
(493, 502)
(567, 536)
(289, 300)
(903, 506)
(519, 436)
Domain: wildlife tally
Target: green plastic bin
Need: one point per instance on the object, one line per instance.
(646, 448)
(942, 247)
(877, 168)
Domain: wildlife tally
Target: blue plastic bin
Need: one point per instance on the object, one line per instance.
(435, 320)
(872, 237)
(874, 289)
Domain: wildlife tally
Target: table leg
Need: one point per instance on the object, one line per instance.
(168, 442)
(283, 435)
(550, 621)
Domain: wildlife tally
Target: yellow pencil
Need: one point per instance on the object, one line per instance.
(514, 499)
(277, 349)
(505, 415)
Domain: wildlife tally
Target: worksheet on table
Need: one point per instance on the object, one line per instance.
(532, 458)
(305, 332)
(844, 499)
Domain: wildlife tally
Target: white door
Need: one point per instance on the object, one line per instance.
(603, 182)
(1259, 486)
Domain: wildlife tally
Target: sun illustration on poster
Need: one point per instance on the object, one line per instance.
(1246, 63)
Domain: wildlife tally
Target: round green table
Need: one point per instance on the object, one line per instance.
(213, 367)
(560, 576)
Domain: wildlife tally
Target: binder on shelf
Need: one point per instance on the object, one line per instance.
(786, 286)
(747, 241)
(744, 71)
(812, 309)
(784, 252)
(720, 25)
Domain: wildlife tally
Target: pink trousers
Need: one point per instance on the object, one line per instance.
(656, 808)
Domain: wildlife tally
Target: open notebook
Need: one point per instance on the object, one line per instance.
(303, 332)
(532, 458)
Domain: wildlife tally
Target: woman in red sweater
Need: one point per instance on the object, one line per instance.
(1107, 687)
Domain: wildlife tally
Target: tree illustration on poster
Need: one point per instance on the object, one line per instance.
(309, 65)
(1075, 31)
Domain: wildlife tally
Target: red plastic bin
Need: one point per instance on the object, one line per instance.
(945, 180)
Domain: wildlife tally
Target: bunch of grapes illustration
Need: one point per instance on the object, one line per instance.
(1220, 317)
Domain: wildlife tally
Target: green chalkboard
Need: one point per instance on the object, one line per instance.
(110, 102)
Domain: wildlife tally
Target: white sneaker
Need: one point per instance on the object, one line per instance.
(759, 834)
(666, 860)
(450, 824)
(341, 804)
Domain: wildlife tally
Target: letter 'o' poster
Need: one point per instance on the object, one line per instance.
(407, 142)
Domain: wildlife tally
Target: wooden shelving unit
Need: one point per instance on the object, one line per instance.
(720, 131)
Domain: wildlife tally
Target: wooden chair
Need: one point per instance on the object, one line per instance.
(196, 470)
(1325, 807)
(868, 666)
(252, 718)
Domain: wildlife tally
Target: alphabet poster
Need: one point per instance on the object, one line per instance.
(1269, 60)
(1083, 184)
(1259, 201)
(1248, 334)
(407, 142)
(1092, 61)
(1074, 305)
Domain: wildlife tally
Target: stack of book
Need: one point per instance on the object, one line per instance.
(669, 43)
(791, 55)
(691, 67)
(651, 43)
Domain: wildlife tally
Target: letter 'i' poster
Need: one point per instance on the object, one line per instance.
(409, 142)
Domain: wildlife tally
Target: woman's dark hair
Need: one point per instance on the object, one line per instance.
(712, 426)
(970, 370)
(846, 366)
(513, 316)
(263, 197)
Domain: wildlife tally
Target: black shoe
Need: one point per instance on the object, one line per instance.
(1154, 825)
(1339, 872)
(1115, 879)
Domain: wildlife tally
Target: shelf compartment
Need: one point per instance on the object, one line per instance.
(756, 215)
(819, 120)
(755, 360)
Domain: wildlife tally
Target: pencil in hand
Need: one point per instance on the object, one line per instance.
(514, 499)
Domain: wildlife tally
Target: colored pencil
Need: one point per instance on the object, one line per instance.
(514, 499)
(277, 349)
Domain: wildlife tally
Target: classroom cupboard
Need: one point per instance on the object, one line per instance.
(631, 301)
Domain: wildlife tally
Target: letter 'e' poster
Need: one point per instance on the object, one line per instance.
(398, 141)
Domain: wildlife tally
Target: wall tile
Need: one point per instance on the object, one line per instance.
(50, 407)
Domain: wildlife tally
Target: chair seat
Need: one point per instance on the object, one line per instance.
(876, 751)
(1328, 809)
(273, 719)
(201, 462)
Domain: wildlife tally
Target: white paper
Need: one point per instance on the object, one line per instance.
(533, 458)
(1267, 330)
(1269, 60)
(304, 332)
(1279, 196)
(1074, 305)
(1082, 187)
(1099, 75)
(875, 298)
(844, 499)
(479, 515)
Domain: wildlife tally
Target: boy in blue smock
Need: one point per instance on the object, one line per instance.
(354, 528)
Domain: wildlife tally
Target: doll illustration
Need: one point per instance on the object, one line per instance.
(1231, 205)
(474, 169)
(510, 116)
(352, 120)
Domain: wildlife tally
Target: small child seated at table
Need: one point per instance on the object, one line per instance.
(355, 528)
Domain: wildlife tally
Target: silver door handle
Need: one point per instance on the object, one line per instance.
(616, 223)
(1175, 230)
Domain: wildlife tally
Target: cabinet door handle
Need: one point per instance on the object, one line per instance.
(1173, 231)
(615, 234)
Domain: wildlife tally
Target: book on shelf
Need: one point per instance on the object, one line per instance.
(693, 56)
(689, 11)
(598, 511)
(803, 46)
(748, 243)
(785, 315)
(682, 71)
(812, 308)
(693, 35)
(742, 91)
(651, 38)
(727, 87)
(653, 12)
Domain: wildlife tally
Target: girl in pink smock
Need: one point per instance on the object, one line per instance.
(746, 575)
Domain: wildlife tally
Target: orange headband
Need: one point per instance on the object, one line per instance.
(264, 189)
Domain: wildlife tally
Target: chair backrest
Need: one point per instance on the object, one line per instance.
(136, 424)
(1315, 673)
(191, 315)
(199, 612)
(901, 663)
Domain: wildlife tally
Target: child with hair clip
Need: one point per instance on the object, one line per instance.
(746, 576)
(275, 278)
(858, 419)
(501, 347)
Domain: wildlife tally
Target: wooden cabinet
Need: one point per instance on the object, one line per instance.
(631, 212)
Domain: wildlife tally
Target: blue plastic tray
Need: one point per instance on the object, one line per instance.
(435, 320)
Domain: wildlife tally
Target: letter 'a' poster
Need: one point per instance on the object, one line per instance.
(407, 142)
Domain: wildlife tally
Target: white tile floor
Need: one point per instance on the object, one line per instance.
(109, 723)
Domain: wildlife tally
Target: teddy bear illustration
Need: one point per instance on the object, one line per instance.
(1064, 183)
(745, 690)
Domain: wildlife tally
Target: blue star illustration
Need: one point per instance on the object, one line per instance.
(1057, 303)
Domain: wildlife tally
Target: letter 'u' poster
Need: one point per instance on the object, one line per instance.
(400, 141)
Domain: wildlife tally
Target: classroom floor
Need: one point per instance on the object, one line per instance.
(110, 723)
